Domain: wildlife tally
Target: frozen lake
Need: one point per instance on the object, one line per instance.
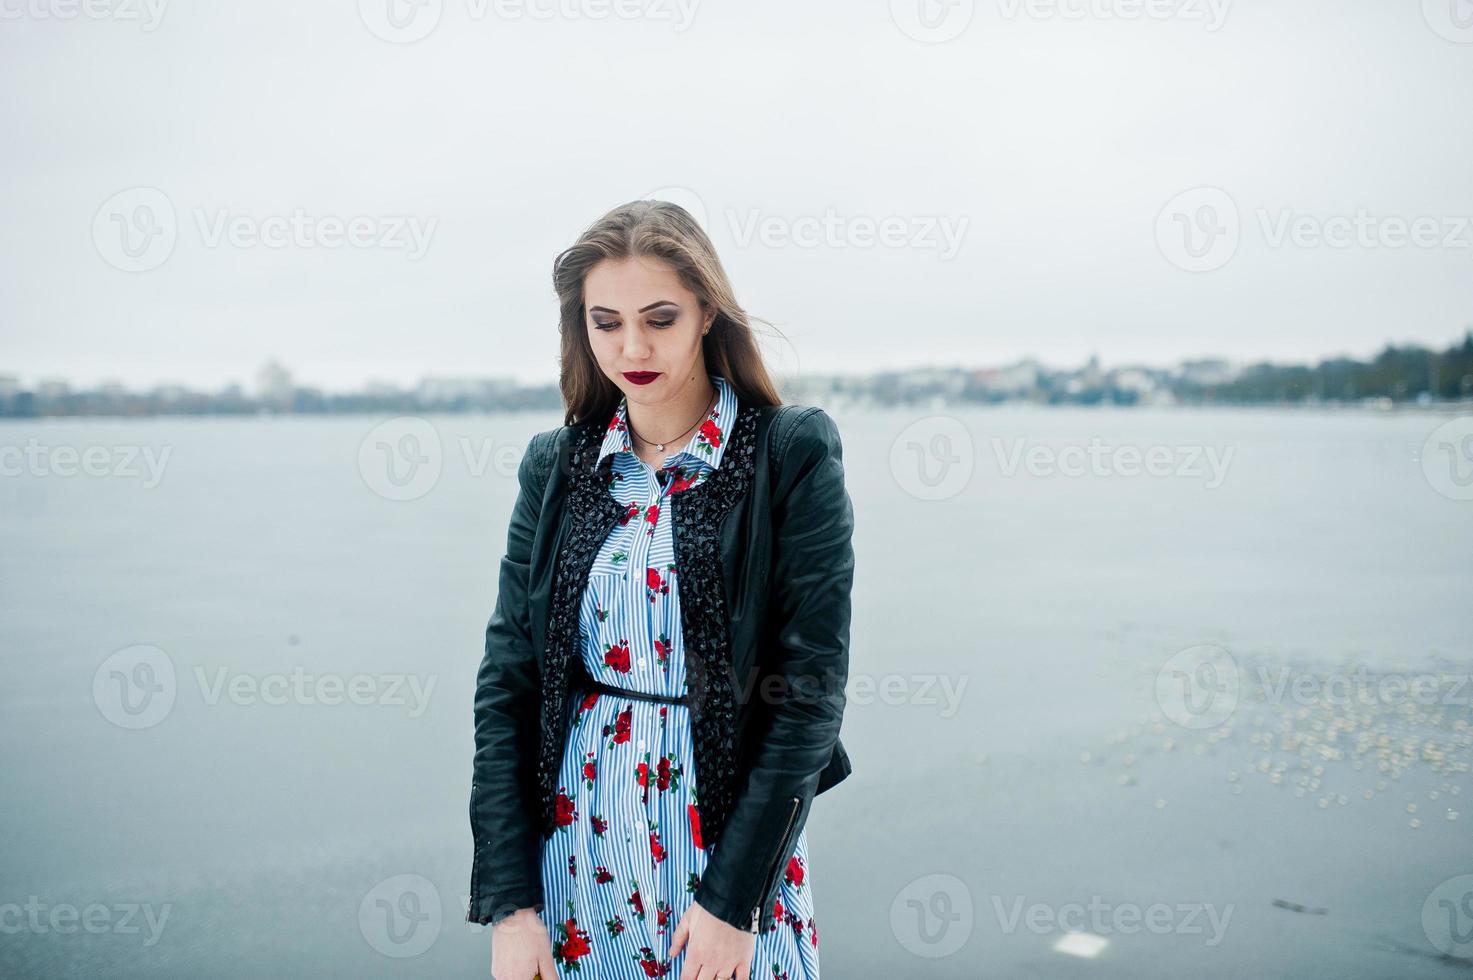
(1192, 684)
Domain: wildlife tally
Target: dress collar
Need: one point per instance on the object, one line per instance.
(706, 445)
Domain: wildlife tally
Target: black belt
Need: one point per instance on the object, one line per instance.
(584, 680)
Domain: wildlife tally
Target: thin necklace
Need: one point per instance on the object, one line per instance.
(660, 446)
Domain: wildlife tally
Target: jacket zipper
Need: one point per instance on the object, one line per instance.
(782, 846)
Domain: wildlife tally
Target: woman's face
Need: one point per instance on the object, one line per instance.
(644, 327)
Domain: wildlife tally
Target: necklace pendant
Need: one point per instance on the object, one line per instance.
(660, 446)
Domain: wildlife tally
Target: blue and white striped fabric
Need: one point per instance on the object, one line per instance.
(626, 860)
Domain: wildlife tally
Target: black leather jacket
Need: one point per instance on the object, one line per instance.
(766, 565)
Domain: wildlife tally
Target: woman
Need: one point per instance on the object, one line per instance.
(660, 697)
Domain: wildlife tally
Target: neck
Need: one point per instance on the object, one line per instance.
(673, 420)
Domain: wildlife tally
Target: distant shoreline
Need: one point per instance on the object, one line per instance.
(1440, 408)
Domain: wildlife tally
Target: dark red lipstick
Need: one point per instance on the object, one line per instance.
(641, 377)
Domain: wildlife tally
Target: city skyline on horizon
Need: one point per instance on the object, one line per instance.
(408, 380)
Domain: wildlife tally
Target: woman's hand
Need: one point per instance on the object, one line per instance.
(717, 949)
(521, 948)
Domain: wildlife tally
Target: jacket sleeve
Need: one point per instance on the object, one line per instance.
(505, 873)
(809, 611)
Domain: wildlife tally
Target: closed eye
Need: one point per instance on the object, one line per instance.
(657, 324)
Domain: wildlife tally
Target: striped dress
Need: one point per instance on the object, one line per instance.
(626, 859)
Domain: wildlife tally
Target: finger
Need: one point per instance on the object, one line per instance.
(690, 968)
(546, 968)
(677, 938)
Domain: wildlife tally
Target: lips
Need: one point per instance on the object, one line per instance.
(641, 377)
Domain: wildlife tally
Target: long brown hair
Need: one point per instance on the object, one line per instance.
(665, 231)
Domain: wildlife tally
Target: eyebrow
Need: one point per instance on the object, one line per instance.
(643, 309)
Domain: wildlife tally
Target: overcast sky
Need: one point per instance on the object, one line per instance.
(367, 192)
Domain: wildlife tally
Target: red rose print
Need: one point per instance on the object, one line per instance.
(617, 656)
(711, 432)
(654, 584)
(642, 779)
(795, 871)
(573, 945)
(590, 772)
(566, 812)
(695, 825)
(622, 725)
(629, 513)
(652, 967)
(657, 850)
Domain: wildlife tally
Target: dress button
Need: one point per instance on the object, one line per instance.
(641, 743)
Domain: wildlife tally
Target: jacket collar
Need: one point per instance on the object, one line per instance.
(706, 445)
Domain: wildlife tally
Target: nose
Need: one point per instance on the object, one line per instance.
(636, 343)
